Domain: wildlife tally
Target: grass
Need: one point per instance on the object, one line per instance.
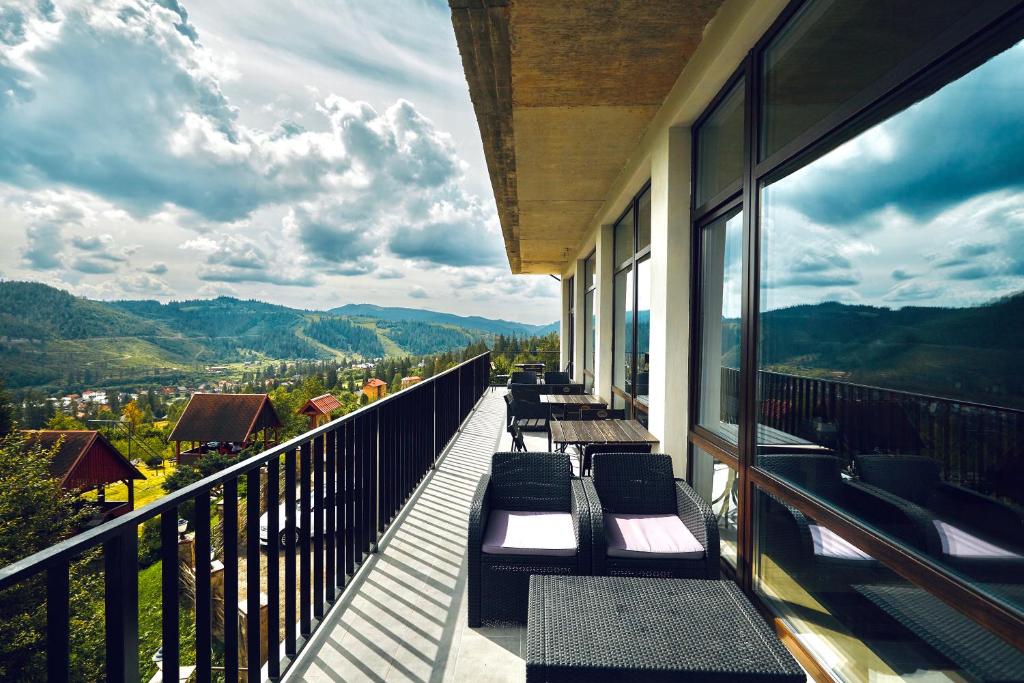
(150, 628)
(145, 491)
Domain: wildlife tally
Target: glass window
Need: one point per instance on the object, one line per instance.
(861, 621)
(590, 335)
(833, 49)
(717, 483)
(643, 223)
(571, 292)
(622, 339)
(891, 313)
(642, 357)
(720, 146)
(624, 239)
(590, 271)
(721, 279)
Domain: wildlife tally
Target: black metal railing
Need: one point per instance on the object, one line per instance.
(366, 464)
(977, 445)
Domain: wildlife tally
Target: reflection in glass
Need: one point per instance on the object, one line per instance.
(642, 356)
(892, 326)
(590, 334)
(721, 278)
(622, 330)
(624, 239)
(643, 221)
(809, 73)
(720, 146)
(717, 483)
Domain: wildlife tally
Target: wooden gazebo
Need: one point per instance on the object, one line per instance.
(85, 460)
(226, 423)
(319, 408)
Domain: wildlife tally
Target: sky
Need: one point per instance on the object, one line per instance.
(309, 153)
(924, 209)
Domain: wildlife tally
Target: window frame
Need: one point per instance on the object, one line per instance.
(589, 333)
(952, 53)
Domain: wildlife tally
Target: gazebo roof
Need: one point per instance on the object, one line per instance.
(225, 417)
(83, 457)
(320, 405)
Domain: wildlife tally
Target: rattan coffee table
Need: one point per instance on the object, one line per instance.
(604, 628)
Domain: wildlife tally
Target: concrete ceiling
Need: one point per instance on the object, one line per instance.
(563, 91)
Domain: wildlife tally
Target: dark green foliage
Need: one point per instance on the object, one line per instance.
(6, 411)
(342, 334)
(31, 310)
(422, 339)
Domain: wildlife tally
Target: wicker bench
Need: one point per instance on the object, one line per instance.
(623, 629)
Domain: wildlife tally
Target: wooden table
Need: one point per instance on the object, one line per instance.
(771, 439)
(533, 367)
(582, 432)
(573, 399)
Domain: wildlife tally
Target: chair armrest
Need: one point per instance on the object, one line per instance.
(581, 524)
(598, 539)
(479, 511)
(907, 521)
(699, 518)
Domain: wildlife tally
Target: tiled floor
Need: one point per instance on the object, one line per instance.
(405, 618)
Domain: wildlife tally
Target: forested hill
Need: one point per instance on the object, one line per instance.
(48, 336)
(472, 322)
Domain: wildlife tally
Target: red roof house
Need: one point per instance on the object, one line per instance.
(319, 409)
(375, 388)
(226, 422)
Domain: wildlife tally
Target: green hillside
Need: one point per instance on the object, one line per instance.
(49, 338)
(472, 322)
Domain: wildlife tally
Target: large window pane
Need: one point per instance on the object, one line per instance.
(643, 221)
(721, 261)
(622, 330)
(717, 483)
(833, 49)
(590, 271)
(861, 621)
(590, 334)
(720, 146)
(892, 326)
(624, 239)
(643, 330)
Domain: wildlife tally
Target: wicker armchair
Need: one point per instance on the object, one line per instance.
(978, 535)
(527, 485)
(523, 377)
(555, 378)
(629, 490)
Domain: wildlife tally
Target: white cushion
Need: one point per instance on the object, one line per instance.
(529, 533)
(828, 544)
(663, 536)
(959, 543)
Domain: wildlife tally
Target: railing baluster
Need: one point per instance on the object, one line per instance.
(273, 571)
(371, 481)
(252, 572)
(358, 489)
(169, 586)
(350, 498)
(231, 580)
(305, 500)
(318, 527)
(290, 640)
(58, 615)
(204, 607)
(121, 605)
(338, 444)
(330, 507)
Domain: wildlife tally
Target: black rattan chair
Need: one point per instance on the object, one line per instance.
(979, 535)
(588, 413)
(591, 449)
(529, 485)
(630, 491)
(557, 378)
(523, 377)
(526, 392)
(528, 416)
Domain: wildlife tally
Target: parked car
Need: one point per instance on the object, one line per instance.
(282, 535)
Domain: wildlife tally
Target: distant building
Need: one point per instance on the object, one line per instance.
(226, 423)
(85, 460)
(319, 409)
(409, 381)
(375, 388)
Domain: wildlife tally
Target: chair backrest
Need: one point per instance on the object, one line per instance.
(635, 483)
(521, 408)
(523, 377)
(819, 474)
(603, 414)
(557, 378)
(526, 392)
(531, 481)
(910, 477)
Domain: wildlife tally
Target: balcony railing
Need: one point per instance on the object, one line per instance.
(977, 445)
(366, 464)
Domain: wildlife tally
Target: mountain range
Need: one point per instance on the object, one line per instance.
(49, 337)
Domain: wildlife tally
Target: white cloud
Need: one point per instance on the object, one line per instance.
(418, 292)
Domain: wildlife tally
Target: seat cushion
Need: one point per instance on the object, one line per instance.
(649, 536)
(828, 544)
(959, 543)
(529, 533)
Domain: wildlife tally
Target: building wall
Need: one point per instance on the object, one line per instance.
(663, 156)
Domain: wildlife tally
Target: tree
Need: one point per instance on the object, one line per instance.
(132, 414)
(63, 421)
(6, 411)
(35, 512)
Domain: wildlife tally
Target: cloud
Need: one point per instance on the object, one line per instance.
(157, 268)
(389, 274)
(145, 284)
(47, 215)
(901, 275)
(239, 259)
(963, 141)
(418, 292)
